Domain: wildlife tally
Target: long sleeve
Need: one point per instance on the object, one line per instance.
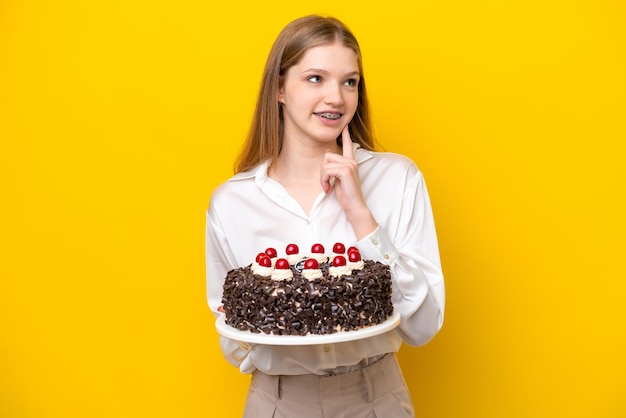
(219, 260)
(413, 255)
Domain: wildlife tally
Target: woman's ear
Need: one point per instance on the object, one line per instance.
(281, 90)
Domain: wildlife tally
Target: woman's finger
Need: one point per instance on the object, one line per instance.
(346, 143)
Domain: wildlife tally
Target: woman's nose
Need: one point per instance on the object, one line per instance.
(334, 95)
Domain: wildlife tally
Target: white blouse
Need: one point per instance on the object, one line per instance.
(251, 212)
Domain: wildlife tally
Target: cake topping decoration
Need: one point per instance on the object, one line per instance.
(339, 261)
(293, 257)
(355, 260)
(264, 261)
(262, 265)
(282, 270)
(310, 264)
(282, 264)
(318, 253)
(354, 256)
(271, 252)
(300, 264)
(317, 249)
(311, 269)
(340, 267)
(339, 248)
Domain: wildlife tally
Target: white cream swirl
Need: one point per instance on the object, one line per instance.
(260, 270)
(312, 274)
(321, 258)
(294, 258)
(282, 274)
(356, 265)
(339, 271)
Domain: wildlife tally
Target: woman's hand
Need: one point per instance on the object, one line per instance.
(341, 172)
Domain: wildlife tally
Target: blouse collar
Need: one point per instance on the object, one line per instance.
(260, 171)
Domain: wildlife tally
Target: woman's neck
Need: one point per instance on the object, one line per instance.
(300, 162)
(298, 169)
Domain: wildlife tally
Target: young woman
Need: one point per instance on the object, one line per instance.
(308, 173)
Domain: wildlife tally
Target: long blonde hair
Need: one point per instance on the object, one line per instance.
(264, 139)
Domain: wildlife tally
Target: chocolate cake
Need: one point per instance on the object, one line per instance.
(298, 295)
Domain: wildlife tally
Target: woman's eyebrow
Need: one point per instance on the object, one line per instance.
(322, 71)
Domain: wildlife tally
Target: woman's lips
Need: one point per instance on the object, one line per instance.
(329, 115)
(329, 118)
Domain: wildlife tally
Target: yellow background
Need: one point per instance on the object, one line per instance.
(118, 119)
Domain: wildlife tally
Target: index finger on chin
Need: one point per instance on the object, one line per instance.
(346, 143)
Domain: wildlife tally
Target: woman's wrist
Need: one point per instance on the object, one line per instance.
(363, 223)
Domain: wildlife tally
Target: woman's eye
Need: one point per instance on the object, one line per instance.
(352, 82)
(315, 79)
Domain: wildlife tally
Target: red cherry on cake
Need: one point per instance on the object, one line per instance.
(352, 249)
(265, 261)
(311, 264)
(354, 256)
(259, 256)
(317, 249)
(271, 252)
(339, 248)
(292, 249)
(339, 261)
(282, 264)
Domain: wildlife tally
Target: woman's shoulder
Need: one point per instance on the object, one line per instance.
(231, 186)
(385, 160)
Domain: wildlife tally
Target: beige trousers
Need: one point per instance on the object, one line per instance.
(377, 391)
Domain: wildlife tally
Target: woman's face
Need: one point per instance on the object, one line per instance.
(319, 94)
